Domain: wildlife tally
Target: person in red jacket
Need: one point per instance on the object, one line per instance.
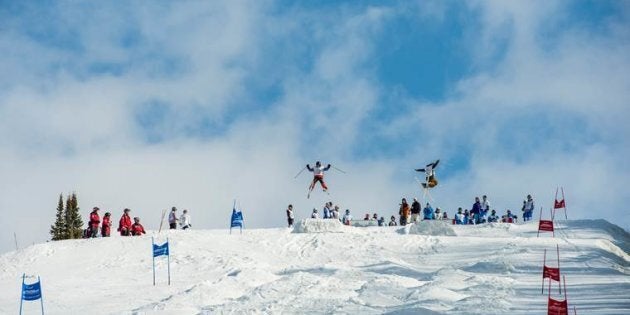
(124, 225)
(94, 222)
(107, 224)
(137, 228)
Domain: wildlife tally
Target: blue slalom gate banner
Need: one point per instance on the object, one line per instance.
(237, 219)
(161, 250)
(31, 292)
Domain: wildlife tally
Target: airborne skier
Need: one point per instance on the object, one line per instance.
(318, 176)
(429, 171)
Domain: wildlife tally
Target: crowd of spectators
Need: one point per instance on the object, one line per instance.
(479, 213)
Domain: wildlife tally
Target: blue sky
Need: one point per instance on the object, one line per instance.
(210, 101)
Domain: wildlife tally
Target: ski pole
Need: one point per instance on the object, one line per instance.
(298, 174)
(338, 169)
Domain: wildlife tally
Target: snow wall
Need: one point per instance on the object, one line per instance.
(319, 226)
(440, 228)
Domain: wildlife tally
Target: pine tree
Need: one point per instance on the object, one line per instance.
(74, 224)
(57, 230)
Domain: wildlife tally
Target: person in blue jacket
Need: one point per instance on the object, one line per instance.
(428, 212)
(466, 217)
(459, 217)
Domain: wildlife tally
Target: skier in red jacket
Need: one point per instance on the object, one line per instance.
(124, 225)
(94, 222)
(137, 228)
(107, 225)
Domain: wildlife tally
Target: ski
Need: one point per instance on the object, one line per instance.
(162, 221)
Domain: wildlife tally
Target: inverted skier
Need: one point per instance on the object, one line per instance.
(429, 172)
(318, 176)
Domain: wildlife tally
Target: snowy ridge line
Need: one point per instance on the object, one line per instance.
(484, 269)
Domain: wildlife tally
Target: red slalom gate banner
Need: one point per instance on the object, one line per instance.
(557, 307)
(551, 273)
(559, 204)
(545, 225)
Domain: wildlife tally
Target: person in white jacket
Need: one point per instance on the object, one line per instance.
(528, 208)
(318, 176)
(290, 216)
(184, 220)
(347, 218)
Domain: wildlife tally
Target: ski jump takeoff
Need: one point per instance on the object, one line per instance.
(318, 176)
(429, 171)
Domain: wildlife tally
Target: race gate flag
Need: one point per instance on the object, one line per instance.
(557, 307)
(237, 219)
(161, 250)
(551, 273)
(31, 292)
(545, 225)
(559, 204)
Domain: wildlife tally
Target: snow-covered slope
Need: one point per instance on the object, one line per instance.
(486, 269)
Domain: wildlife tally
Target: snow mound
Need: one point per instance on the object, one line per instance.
(319, 226)
(437, 228)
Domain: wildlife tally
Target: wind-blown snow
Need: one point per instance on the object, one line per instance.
(486, 269)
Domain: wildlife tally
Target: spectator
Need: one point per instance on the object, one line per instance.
(290, 216)
(493, 217)
(485, 208)
(367, 217)
(428, 212)
(335, 213)
(327, 210)
(466, 216)
(476, 209)
(381, 221)
(184, 220)
(438, 214)
(136, 228)
(509, 217)
(124, 225)
(415, 210)
(404, 212)
(445, 216)
(347, 217)
(460, 218)
(314, 215)
(375, 217)
(172, 219)
(471, 218)
(107, 225)
(392, 221)
(95, 220)
(528, 208)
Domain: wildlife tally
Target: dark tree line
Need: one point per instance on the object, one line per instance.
(68, 223)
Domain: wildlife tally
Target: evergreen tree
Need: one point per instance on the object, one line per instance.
(58, 229)
(74, 224)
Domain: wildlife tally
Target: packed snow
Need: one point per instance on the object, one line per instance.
(426, 269)
(319, 226)
(431, 228)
